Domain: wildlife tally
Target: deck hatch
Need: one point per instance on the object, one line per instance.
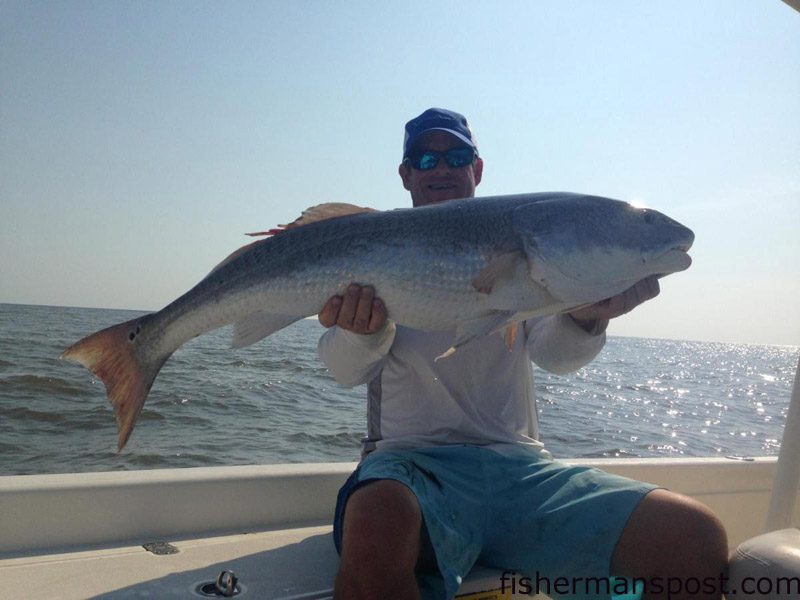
(160, 548)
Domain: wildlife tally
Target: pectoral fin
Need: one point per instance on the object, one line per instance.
(501, 266)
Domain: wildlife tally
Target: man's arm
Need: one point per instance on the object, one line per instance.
(594, 319)
(565, 343)
(359, 335)
(354, 349)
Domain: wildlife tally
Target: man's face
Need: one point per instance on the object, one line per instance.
(443, 182)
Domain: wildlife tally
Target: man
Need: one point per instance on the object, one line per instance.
(453, 471)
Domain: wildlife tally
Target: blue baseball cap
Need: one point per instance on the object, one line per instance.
(437, 119)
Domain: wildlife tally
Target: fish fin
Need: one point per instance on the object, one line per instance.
(320, 212)
(472, 328)
(498, 267)
(111, 354)
(258, 326)
(510, 334)
(232, 255)
(449, 352)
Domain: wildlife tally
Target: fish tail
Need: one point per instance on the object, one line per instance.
(116, 355)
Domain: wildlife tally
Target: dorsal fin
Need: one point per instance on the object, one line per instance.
(231, 256)
(320, 212)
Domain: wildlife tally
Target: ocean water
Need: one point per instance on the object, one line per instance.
(274, 402)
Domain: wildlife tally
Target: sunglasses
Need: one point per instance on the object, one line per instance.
(425, 160)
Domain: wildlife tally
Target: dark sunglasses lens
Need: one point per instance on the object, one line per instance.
(459, 157)
(425, 161)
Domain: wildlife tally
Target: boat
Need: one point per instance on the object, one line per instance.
(264, 531)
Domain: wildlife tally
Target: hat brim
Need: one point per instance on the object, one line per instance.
(413, 142)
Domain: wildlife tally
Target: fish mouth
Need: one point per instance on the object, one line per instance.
(676, 258)
(673, 260)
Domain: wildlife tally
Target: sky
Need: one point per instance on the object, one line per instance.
(140, 140)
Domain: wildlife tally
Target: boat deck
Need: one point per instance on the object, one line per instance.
(269, 564)
(286, 564)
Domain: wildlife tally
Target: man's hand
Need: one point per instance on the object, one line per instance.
(594, 318)
(358, 310)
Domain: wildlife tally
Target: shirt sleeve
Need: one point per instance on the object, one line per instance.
(559, 345)
(352, 358)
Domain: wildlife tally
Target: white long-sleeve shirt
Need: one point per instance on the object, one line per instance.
(483, 394)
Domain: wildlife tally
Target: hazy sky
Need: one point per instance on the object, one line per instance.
(139, 140)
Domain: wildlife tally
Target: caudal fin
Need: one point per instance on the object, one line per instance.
(117, 356)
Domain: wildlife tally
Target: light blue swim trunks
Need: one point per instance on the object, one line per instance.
(517, 511)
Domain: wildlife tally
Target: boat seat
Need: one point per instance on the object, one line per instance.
(767, 567)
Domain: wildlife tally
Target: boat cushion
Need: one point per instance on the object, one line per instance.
(767, 567)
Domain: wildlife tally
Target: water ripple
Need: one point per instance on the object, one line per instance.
(274, 402)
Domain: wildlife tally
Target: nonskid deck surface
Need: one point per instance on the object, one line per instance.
(270, 564)
(288, 564)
